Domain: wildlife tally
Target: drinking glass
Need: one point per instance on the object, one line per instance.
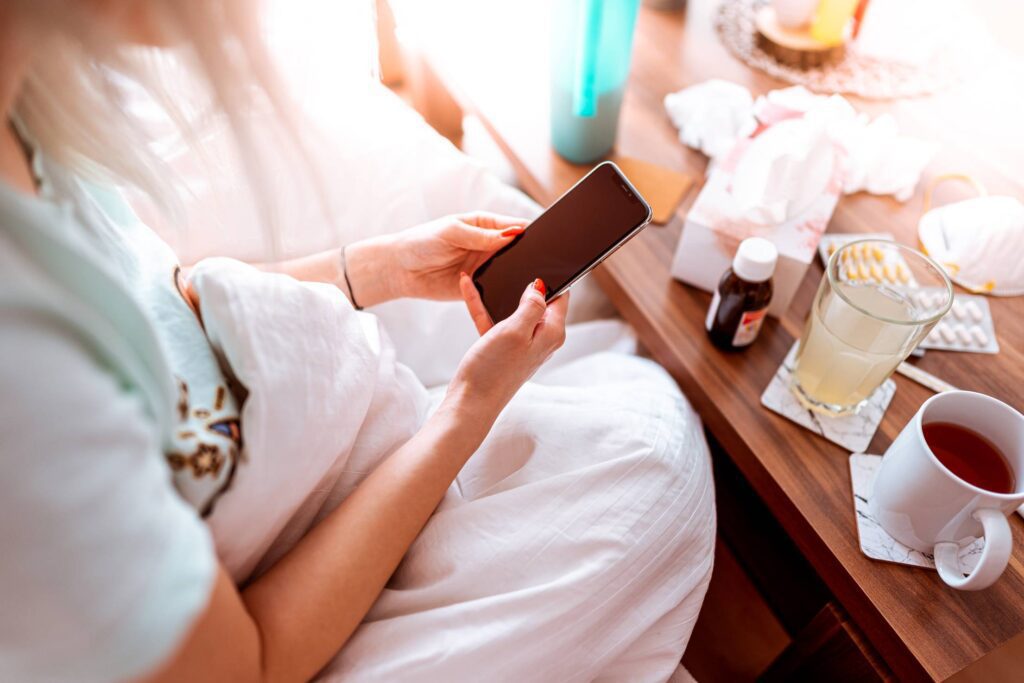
(876, 302)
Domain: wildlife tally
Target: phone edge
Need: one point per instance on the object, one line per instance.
(618, 245)
(606, 255)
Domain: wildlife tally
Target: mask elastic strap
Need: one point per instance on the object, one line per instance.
(938, 180)
(952, 268)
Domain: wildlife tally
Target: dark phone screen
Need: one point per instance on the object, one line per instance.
(562, 242)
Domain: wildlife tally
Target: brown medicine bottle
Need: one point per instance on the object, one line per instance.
(741, 300)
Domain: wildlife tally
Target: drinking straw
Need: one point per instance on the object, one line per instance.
(584, 96)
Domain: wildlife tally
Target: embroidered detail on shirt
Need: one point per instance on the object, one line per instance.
(228, 428)
(206, 459)
(207, 448)
(182, 400)
(233, 458)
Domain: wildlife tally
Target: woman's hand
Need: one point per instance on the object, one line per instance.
(425, 261)
(422, 262)
(508, 353)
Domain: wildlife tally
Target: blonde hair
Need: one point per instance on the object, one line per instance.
(74, 100)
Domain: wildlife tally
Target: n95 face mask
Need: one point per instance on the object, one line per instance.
(980, 243)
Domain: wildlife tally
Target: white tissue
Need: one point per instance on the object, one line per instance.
(877, 159)
(711, 116)
(783, 171)
(881, 161)
(797, 98)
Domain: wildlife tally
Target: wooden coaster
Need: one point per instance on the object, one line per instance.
(795, 47)
(663, 188)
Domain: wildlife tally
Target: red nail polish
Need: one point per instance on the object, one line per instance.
(538, 284)
(511, 232)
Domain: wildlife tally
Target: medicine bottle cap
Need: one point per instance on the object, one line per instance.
(755, 259)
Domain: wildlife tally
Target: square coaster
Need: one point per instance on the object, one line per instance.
(662, 187)
(852, 432)
(874, 541)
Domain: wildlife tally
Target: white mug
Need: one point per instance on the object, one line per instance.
(923, 505)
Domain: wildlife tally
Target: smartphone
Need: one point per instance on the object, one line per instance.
(585, 226)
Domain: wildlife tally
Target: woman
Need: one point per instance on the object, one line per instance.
(140, 545)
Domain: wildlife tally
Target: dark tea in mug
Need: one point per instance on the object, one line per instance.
(970, 456)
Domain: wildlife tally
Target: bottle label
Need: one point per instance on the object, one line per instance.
(712, 311)
(750, 325)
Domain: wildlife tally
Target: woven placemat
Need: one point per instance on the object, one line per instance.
(863, 74)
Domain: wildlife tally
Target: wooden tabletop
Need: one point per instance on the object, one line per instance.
(493, 58)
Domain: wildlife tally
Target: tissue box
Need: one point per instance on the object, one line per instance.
(719, 220)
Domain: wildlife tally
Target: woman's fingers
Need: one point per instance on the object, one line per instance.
(492, 221)
(477, 312)
(474, 238)
(534, 319)
(552, 327)
(531, 309)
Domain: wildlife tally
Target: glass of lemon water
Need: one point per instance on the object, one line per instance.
(865, 321)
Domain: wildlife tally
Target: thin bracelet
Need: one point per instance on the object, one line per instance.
(348, 283)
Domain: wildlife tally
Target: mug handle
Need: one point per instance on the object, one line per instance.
(994, 556)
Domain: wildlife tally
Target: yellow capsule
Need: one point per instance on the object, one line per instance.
(890, 272)
(831, 249)
(877, 252)
(876, 272)
(847, 255)
(902, 274)
(862, 271)
(851, 274)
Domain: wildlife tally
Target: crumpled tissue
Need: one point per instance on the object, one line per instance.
(711, 116)
(780, 172)
(876, 158)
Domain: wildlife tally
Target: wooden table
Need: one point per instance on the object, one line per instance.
(493, 59)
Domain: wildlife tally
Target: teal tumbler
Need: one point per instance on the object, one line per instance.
(591, 44)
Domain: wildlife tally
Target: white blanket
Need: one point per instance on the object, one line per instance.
(576, 544)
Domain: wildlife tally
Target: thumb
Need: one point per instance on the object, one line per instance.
(470, 237)
(531, 308)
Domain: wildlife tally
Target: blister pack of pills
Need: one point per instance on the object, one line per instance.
(867, 262)
(967, 327)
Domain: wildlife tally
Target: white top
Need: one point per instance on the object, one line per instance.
(106, 565)
(755, 259)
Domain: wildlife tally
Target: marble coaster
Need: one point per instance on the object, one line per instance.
(874, 541)
(852, 432)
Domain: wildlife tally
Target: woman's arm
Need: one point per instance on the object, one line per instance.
(422, 262)
(368, 263)
(288, 624)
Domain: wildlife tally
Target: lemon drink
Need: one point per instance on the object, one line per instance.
(860, 329)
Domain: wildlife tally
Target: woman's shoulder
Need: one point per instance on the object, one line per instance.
(48, 338)
(87, 491)
(45, 276)
(87, 497)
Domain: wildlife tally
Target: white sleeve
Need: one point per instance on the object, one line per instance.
(104, 567)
